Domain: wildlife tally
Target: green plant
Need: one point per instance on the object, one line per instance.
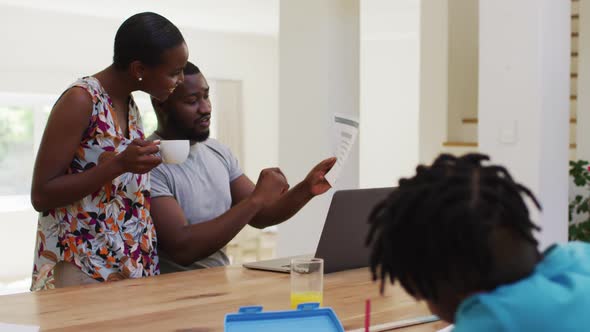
(579, 206)
(16, 127)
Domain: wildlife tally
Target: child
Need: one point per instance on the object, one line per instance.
(458, 235)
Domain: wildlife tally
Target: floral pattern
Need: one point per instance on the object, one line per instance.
(109, 234)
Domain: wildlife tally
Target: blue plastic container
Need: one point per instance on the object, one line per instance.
(307, 317)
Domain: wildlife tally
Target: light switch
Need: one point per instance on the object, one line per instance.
(508, 132)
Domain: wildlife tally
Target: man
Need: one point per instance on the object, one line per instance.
(200, 205)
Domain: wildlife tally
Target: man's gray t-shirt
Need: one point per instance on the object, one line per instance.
(201, 186)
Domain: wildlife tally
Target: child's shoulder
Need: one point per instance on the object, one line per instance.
(565, 258)
(556, 288)
(578, 248)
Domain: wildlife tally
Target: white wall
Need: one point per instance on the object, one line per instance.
(462, 66)
(390, 72)
(448, 75)
(433, 78)
(524, 97)
(44, 51)
(319, 76)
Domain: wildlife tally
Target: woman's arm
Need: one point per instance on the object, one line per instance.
(52, 187)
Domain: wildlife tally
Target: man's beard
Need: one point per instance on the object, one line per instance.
(199, 137)
(188, 133)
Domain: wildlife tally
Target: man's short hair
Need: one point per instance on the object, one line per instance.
(191, 69)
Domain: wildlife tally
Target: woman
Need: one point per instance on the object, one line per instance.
(91, 180)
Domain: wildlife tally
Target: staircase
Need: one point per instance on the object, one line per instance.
(468, 142)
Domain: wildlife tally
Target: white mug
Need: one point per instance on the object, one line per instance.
(174, 151)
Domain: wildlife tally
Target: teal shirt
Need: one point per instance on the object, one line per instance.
(556, 297)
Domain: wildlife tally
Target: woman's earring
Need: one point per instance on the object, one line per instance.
(140, 79)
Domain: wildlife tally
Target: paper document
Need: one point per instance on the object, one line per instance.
(345, 131)
(447, 329)
(18, 328)
(400, 323)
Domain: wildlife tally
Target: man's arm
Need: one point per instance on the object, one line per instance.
(289, 203)
(186, 243)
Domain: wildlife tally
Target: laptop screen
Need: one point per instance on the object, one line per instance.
(342, 243)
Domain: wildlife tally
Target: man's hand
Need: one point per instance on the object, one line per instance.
(315, 181)
(270, 186)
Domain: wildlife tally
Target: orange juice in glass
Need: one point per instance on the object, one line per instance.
(305, 297)
(307, 281)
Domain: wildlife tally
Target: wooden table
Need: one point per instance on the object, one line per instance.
(198, 301)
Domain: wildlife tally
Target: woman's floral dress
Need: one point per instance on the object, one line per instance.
(109, 234)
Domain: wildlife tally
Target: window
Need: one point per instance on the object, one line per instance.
(22, 120)
(17, 126)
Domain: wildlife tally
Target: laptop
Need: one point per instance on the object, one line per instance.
(342, 243)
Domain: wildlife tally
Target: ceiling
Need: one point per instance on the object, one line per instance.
(237, 16)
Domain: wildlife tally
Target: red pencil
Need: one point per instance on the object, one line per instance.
(367, 314)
